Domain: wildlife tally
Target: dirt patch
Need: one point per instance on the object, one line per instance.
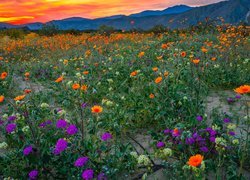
(22, 84)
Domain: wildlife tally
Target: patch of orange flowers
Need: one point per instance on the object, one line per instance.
(151, 96)
(60, 79)
(96, 109)
(158, 80)
(4, 75)
(27, 91)
(27, 74)
(84, 87)
(76, 86)
(1, 99)
(85, 72)
(164, 46)
(183, 54)
(141, 54)
(134, 73)
(196, 61)
(244, 89)
(155, 69)
(213, 58)
(195, 160)
(19, 98)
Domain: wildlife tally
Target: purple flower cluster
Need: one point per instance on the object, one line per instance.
(101, 176)
(33, 174)
(81, 161)
(106, 136)
(61, 123)
(226, 120)
(160, 144)
(45, 123)
(166, 131)
(1, 122)
(88, 174)
(61, 145)
(10, 128)
(27, 150)
(71, 130)
(11, 118)
(199, 118)
(202, 139)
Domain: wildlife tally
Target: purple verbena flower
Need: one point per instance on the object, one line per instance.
(88, 174)
(166, 131)
(1, 122)
(61, 145)
(199, 118)
(11, 118)
(81, 161)
(190, 141)
(212, 139)
(238, 96)
(226, 120)
(61, 123)
(106, 136)
(230, 100)
(33, 174)
(204, 149)
(101, 176)
(231, 133)
(71, 130)
(10, 128)
(160, 144)
(27, 150)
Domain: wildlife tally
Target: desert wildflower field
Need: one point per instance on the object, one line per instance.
(126, 105)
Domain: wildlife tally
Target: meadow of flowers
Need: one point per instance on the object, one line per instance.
(71, 106)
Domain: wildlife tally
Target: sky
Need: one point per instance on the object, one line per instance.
(28, 11)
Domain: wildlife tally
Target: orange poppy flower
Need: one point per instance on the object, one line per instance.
(4, 75)
(166, 73)
(159, 57)
(27, 91)
(151, 96)
(76, 86)
(196, 61)
(195, 160)
(155, 69)
(158, 80)
(141, 54)
(27, 74)
(244, 89)
(19, 98)
(203, 49)
(183, 54)
(213, 58)
(134, 73)
(84, 87)
(59, 79)
(164, 46)
(1, 99)
(96, 109)
(85, 72)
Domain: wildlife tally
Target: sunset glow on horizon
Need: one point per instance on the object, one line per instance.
(28, 11)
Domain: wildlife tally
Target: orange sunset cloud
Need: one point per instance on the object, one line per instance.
(27, 11)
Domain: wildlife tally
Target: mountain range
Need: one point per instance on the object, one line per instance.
(180, 16)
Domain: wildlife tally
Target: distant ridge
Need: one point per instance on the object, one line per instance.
(171, 10)
(180, 16)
